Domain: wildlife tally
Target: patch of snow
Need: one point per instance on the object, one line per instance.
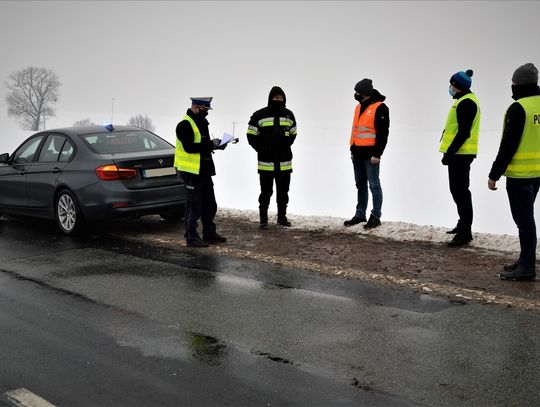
(400, 231)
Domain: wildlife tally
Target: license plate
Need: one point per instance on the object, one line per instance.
(159, 172)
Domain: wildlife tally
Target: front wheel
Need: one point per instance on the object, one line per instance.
(67, 212)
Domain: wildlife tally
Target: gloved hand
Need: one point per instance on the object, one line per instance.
(445, 159)
(216, 142)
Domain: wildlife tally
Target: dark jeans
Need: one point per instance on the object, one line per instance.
(459, 169)
(521, 195)
(200, 203)
(366, 173)
(283, 181)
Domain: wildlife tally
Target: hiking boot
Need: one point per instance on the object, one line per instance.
(196, 242)
(215, 238)
(355, 220)
(373, 222)
(510, 267)
(460, 240)
(263, 225)
(283, 221)
(517, 275)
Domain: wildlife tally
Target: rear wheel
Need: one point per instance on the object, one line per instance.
(67, 212)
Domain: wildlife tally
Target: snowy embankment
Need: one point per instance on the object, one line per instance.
(389, 230)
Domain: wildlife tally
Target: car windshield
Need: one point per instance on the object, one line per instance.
(125, 141)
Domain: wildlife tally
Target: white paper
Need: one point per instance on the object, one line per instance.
(227, 138)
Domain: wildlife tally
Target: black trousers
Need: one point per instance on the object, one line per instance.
(200, 204)
(283, 181)
(521, 195)
(459, 169)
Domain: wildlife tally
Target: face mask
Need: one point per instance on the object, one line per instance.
(358, 97)
(203, 113)
(452, 91)
(277, 104)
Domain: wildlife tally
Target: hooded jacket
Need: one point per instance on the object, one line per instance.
(382, 125)
(271, 132)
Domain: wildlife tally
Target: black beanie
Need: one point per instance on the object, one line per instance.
(525, 74)
(364, 87)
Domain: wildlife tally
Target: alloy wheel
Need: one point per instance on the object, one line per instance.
(67, 215)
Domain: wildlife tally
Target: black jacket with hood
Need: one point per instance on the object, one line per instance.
(273, 142)
(382, 125)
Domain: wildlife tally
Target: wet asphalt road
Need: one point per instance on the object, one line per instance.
(99, 321)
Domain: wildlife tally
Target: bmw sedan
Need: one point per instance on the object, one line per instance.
(84, 174)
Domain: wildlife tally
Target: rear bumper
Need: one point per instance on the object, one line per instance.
(108, 200)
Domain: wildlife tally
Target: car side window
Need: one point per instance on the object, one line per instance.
(67, 151)
(26, 152)
(51, 148)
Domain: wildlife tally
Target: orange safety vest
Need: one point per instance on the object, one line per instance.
(363, 127)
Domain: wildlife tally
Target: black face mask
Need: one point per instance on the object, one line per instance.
(277, 104)
(203, 113)
(358, 97)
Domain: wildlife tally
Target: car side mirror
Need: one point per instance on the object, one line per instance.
(4, 158)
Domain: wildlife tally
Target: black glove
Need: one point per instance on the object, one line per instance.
(216, 142)
(445, 159)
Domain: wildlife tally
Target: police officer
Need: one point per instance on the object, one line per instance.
(459, 145)
(519, 160)
(271, 132)
(193, 158)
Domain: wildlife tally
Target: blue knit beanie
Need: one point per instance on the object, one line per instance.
(462, 80)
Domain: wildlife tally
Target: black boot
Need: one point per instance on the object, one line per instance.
(282, 216)
(263, 216)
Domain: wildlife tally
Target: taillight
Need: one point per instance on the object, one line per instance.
(112, 173)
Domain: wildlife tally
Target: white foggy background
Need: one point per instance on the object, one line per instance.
(152, 56)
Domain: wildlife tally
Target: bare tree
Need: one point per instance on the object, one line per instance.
(142, 121)
(33, 92)
(84, 123)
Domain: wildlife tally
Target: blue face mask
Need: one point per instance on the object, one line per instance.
(451, 91)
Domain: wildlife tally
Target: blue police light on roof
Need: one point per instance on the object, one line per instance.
(108, 126)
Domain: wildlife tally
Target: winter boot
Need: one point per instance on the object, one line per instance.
(282, 216)
(263, 216)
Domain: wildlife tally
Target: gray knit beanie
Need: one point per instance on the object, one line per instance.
(525, 74)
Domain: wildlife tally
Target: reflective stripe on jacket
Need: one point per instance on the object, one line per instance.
(184, 161)
(470, 146)
(526, 160)
(363, 128)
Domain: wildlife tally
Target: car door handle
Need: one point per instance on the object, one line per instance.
(56, 170)
(23, 172)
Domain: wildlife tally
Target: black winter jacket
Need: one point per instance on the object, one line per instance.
(272, 131)
(514, 124)
(184, 133)
(382, 125)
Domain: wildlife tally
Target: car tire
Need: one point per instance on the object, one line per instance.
(67, 212)
(173, 216)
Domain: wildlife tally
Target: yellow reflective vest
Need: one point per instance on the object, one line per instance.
(470, 146)
(526, 160)
(184, 161)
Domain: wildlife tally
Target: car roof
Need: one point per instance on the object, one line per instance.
(81, 130)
